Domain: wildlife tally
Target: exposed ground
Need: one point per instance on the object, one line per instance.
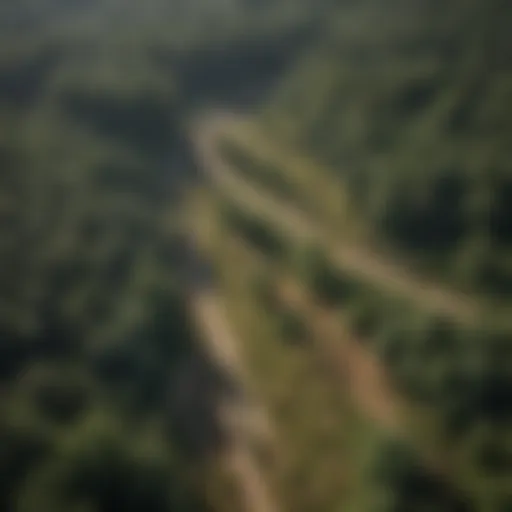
(352, 258)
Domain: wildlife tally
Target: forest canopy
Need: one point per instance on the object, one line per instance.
(409, 102)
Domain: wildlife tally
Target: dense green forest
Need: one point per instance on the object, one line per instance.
(93, 99)
(91, 321)
(410, 103)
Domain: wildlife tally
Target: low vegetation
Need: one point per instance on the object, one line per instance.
(260, 233)
(270, 333)
(407, 106)
(309, 469)
(414, 96)
(262, 172)
(455, 371)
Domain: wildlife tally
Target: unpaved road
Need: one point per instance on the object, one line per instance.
(222, 348)
(367, 381)
(242, 420)
(360, 370)
(205, 133)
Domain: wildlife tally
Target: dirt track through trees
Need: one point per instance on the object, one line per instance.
(356, 260)
(218, 341)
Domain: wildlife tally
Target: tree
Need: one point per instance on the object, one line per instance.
(100, 466)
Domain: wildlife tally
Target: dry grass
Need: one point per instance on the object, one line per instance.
(314, 420)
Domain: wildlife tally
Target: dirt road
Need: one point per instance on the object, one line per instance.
(359, 369)
(243, 421)
(207, 130)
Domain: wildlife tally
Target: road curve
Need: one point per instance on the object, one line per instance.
(205, 132)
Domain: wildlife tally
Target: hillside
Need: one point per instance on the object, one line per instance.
(447, 356)
(409, 102)
(387, 147)
(95, 330)
(341, 246)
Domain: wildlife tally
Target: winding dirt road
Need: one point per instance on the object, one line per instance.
(361, 372)
(205, 133)
(242, 420)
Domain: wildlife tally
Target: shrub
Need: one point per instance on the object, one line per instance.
(257, 232)
(58, 392)
(254, 168)
(367, 316)
(400, 481)
(292, 327)
(314, 268)
(99, 465)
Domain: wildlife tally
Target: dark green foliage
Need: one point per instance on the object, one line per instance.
(97, 465)
(314, 268)
(411, 99)
(399, 481)
(367, 316)
(25, 442)
(89, 317)
(24, 73)
(143, 121)
(436, 223)
(92, 155)
(259, 233)
(258, 170)
(60, 393)
(411, 102)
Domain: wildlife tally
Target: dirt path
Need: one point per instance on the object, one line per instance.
(357, 368)
(205, 133)
(242, 420)
(255, 493)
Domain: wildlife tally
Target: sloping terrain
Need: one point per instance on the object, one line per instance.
(409, 103)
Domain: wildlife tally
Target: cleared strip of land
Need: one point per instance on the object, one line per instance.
(359, 261)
